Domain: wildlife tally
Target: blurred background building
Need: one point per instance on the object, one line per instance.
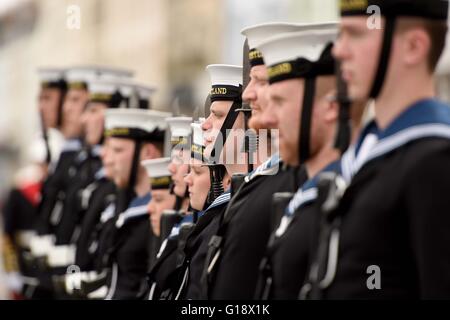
(167, 43)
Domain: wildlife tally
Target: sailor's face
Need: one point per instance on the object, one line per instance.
(286, 98)
(48, 106)
(215, 120)
(178, 169)
(74, 105)
(198, 182)
(256, 94)
(358, 49)
(107, 159)
(213, 124)
(161, 200)
(122, 151)
(93, 119)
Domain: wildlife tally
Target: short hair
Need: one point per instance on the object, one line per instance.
(436, 30)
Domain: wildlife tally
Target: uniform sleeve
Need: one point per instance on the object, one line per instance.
(428, 206)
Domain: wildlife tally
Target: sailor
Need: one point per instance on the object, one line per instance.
(160, 182)
(135, 135)
(200, 184)
(21, 208)
(161, 277)
(94, 198)
(53, 193)
(224, 158)
(162, 199)
(51, 99)
(180, 129)
(301, 74)
(19, 213)
(234, 256)
(397, 173)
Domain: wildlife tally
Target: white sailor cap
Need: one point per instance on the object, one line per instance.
(50, 75)
(80, 76)
(144, 91)
(102, 90)
(125, 93)
(226, 82)
(180, 130)
(225, 74)
(198, 141)
(261, 32)
(157, 170)
(137, 95)
(180, 126)
(136, 124)
(281, 54)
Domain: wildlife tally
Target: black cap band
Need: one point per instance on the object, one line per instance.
(180, 142)
(78, 85)
(429, 9)
(303, 68)
(111, 100)
(225, 93)
(159, 183)
(135, 134)
(197, 152)
(255, 57)
(59, 84)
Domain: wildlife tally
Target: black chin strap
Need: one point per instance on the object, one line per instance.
(178, 203)
(102, 136)
(305, 127)
(134, 170)
(48, 155)
(59, 121)
(309, 71)
(249, 145)
(385, 54)
(342, 139)
(216, 172)
(224, 131)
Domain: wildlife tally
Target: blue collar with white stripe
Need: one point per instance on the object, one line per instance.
(100, 174)
(424, 112)
(72, 145)
(108, 213)
(424, 119)
(268, 167)
(308, 192)
(96, 150)
(137, 208)
(187, 219)
(219, 201)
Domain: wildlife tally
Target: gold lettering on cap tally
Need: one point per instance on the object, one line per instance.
(160, 181)
(279, 69)
(255, 54)
(221, 91)
(100, 96)
(117, 132)
(351, 5)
